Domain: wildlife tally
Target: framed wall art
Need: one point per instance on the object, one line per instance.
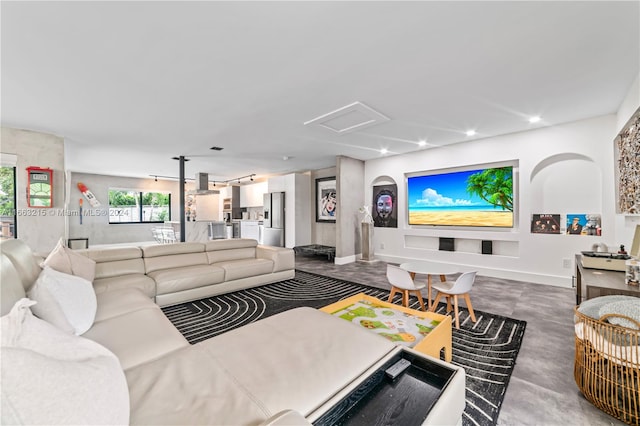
(584, 224)
(326, 200)
(545, 224)
(385, 206)
(628, 167)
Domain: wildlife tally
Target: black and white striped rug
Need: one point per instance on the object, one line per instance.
(487, 350)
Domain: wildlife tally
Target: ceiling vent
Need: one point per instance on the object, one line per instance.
(355, 116)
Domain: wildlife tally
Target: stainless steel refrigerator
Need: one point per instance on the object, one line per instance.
(273, 219)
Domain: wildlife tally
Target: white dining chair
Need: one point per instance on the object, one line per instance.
(461, 287)
(401, 281)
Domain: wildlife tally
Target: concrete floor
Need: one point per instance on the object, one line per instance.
(542, 390)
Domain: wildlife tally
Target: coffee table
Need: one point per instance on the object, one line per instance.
(425, 332)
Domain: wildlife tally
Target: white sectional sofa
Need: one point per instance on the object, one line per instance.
(179, 272)
(290, 368)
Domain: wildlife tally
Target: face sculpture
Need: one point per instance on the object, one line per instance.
(384, 206)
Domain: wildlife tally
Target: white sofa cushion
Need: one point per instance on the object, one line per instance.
(138, 336)
(237, 269)
(185, 278)
(189, 384)
(50, 377)
(119, 302)
(244, 376)
(66, 301)
(11, 289)
(140, 281)
(159, 263)
(283, 259)
(23, 259)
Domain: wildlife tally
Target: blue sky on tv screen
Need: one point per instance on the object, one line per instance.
(447, 191)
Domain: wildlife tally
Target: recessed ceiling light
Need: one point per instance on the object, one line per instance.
(534, 119)
(422, 143)
(471, 132)
(384, 151)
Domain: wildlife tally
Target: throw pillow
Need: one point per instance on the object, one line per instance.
(61, 297)
(58, 259)
(63, 259)
(49, 377)
(81, 266)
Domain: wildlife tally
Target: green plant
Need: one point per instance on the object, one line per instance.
(495, 186)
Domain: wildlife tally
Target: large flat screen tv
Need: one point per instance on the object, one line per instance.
(479, 197)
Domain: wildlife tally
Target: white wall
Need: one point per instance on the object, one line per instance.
(96, 227)
(39, 228)
(561, 169)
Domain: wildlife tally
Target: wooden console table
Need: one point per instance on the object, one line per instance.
(592, 283)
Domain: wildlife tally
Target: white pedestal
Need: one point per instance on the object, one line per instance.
(367, 241)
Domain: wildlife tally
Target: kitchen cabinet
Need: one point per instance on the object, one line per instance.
(251, 195)
(250, 229)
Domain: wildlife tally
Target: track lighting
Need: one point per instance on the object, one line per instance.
(223, 182)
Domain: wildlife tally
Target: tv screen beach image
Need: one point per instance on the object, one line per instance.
(482, 197)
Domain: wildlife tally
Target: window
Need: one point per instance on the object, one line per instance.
(7, 202)
(128, 206)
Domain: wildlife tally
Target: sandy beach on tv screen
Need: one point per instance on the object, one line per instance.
(462, 218)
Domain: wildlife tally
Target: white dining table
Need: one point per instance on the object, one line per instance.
(429, 268)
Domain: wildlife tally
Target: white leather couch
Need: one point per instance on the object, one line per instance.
(286, 369)
(179, 272)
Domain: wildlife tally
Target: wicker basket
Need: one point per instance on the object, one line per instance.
(607, 366)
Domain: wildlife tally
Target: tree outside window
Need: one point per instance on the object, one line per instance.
(7, 202)
(128, 206)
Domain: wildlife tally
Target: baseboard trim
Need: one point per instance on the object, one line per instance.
(509, 274)
(344, 260)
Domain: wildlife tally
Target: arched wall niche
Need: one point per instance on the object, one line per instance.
(566, 183)
(383, 180)
(558, 158)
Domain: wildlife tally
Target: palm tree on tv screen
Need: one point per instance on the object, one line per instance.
(495, 186)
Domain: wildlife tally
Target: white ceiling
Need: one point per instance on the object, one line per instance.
(130, 85)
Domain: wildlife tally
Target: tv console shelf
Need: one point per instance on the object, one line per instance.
(592, 283)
